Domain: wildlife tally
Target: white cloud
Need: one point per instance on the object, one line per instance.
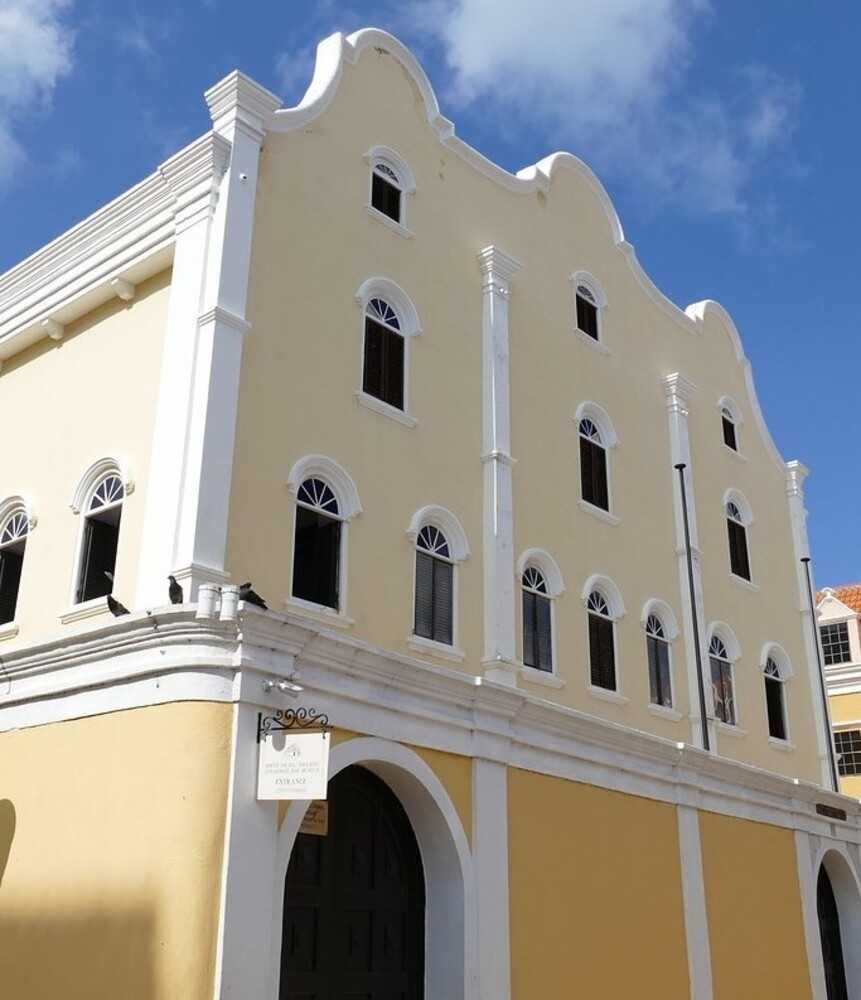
(615, 81)
(35, 52)
(295, 70)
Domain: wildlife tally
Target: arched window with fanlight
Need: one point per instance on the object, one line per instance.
(736, 523)
(434, 587)
(723, 692)
(383, 369)
(387, 191)
(14, 528)
(317, 544)
(775, 700)
(101, 536)
(658, 655)
(594, 487)
(537, 620)
(602, 642)
(587, 311)
(730, 438)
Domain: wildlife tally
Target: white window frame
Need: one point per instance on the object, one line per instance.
(593, 286)
(616, 611)
(736, 497)
(664, 613)
(9, 508)
(445, 521)
(722, 631)
(386, 156)
(778, 655)
(542, 561)
(344, 489)
(390, 292)
(588, 410)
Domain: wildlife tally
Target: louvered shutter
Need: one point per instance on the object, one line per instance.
(424, 595)
(393, 369)
(443, 601)
(544, 636)
(774, 703)
(530, 657)
(738, 557)
(372, 377)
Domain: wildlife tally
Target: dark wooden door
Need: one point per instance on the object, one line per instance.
(354, 901)
(832, 945)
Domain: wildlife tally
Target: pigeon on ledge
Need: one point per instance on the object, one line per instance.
(250, 597)
(174, 591)
(116, 609)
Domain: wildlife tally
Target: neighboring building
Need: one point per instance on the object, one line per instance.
(839, 610)
(436, 413)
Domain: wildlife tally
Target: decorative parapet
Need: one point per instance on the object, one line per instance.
(237, 101)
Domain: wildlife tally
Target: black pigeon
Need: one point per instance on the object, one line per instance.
(250, 597)
(117, 609)
(174, 591)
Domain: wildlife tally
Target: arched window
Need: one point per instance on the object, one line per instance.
(383, 369)
(537, 620)
(386, 191)
(317, 544)
(602, 646)
(729, 430)
(736, 523)
(593, 465)
(587, 312)
(13, 540)
(658, 654)
(775, 701)
(722, 682)
(101, 536)
(434, 593)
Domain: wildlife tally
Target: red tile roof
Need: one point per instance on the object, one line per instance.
(849, 594)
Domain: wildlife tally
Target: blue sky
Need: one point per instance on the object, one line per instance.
(725, 132)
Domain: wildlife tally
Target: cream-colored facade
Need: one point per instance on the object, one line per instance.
(198, 344)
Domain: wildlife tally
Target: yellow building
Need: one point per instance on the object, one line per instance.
(524, 538)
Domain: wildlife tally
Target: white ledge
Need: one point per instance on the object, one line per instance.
(440, 649)
(93, 608)
(385, 409)
(8, 630)
(726, 728)
(599, 512)
(395, 227)
(665, 712)
(319, 612)
(605, 694)
(737, 455)
(740, 581)
(546, 677)
(785, 745)
(596, 345)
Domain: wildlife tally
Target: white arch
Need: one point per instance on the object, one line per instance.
(776, 652)
(662, 610)
(592, 283)
(735, 496)
(728, 403)
(612, 594)
(330, 472)
(385, 288)
(385, 154)
(448, 867)
(727, 637)
(447, 523)
(599, 416)
(548, 566)
(94, 474)
(12, 505)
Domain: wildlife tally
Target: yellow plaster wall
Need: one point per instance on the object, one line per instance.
(68, 403)
(753, 906)
(315, 243)
(592, 874)
(113, 864)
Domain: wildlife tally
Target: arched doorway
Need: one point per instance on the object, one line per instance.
(832, 945)
(354, 900)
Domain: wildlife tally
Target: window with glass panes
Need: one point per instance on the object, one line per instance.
(602, 653)
(658, 654)
(13, 541)
(739, 561)
(537, 623)
(587, 312)
(434, 596)
(835, 643)
(774, 701)
(847, 744)
(593, 465)
(383, 370)
(729, 435)
(317, 545)
(722, 685)
(386, 191)
(101, 539)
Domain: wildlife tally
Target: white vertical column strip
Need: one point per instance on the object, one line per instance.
(490, 851)
(796, 473)
(499, 659)
(694, 896)
(810, 916)
(679, 391)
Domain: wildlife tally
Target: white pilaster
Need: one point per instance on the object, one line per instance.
(809, 914)
(694, 897)
(796, 473)
(490, 851)
(679, 391)
(499, 661)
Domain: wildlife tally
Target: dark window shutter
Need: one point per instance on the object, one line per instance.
(659, 672)
(393, 369)
(545, 636)
(587, 317)
(385, 197)
(601, 653)
(383, 375)
(729, 434)
(99, 556)
(317, 558)
(11, 563)
(593, 474)
(424, 595)
(774, 703)
(530, 616)
(443, 601)
(738, 558)
(372, 378)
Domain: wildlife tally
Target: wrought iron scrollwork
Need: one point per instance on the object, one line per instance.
(291, 718)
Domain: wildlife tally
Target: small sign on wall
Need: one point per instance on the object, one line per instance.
(293, 765)
(316, 819)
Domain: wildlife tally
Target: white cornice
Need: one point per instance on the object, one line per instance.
(239, 101)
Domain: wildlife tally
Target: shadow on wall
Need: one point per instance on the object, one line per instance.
(7, 834)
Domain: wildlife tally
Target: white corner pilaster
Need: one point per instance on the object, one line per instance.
(678, 391)
(490, 851)
(809, 914)
(694, 898)
(499, 661)
(213, 182)
(796, 473)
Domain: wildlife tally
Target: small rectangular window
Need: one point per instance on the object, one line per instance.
(593, 474)
(587, 317)
(537, 636)
(729, 438)
(317, 558)
(847, 744)
(99, 553)
(383, 375)
(835, 643)
(602, 656)
(774, 704)
(659, 672)
(434, 599)
(385, 197)
(11, 562)
(738, 558)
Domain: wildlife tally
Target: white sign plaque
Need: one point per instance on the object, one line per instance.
(293, 766)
